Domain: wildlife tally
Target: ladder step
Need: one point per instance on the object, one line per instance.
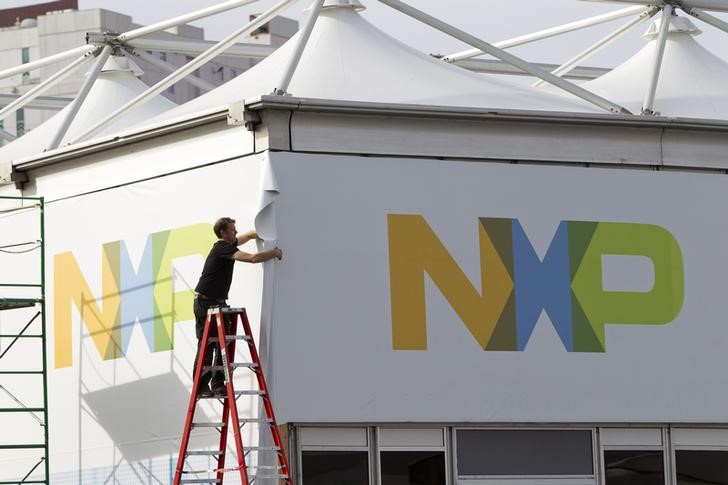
(262, 448)
(250, 393)
(208, 425)
(199, 480)
(230, 338)
(255, 420)
(277, 475)
(204, 453)
(234, 365)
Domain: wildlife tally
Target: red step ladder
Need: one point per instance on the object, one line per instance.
(279, 472)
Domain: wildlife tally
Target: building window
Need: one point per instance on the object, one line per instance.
(25, 57)
(334, 456)
(701, 466)
(631, 467)
(335, 467)
(412, 456)
(499, 453)
(20, 122)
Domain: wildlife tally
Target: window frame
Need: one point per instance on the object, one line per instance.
(528, 479)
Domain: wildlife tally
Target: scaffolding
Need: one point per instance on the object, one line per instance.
(23, 366)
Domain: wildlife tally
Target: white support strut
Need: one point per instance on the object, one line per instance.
(55, 58)
(168, 67)
(44, 86)
(716, 5)
(506, 57)
(183, 19)
(707, 18)
(197, 47)
(552, 32)
(649, 100)
(76, 104)
(187, 68)
(282, 87)
(7, 136)
(587, 53)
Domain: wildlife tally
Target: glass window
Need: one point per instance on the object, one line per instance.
(701, 467)
(413, 467)
(634, 467)
(524, 452)
(335, 467)
(20, 122)
(25, 56)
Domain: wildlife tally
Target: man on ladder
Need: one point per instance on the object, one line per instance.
(212, 291)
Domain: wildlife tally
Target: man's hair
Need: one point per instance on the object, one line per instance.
(221, 225)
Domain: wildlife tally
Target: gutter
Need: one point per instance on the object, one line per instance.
(391, 110)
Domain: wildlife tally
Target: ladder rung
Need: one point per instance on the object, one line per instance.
(199, 480)
(277, 475)
(230, 338)
(262, 448)
(204, 453)
(208, 425)
(234, 365)
(250, 393)
(254, 420)
(266, 467)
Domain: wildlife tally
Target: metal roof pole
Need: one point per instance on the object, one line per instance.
(717, 5)
(601, 44)
(182, 19)
(197, 47)
(285, 81)
(552, 32)
(649, 100)
(80, 97)
(168, 67)
(505, 56)
(29, 66)
(7, 136)
(42, 87)
(706, 17)
(187, 68)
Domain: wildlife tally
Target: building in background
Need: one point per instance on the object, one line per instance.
(36, 31)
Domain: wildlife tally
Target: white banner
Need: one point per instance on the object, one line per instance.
(445, 291)
(121, 266)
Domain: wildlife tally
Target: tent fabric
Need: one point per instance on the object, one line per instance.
(116, 85)
(347, 58)
(692, 80)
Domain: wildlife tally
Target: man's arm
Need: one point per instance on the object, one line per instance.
(260, 257)
(246, 236)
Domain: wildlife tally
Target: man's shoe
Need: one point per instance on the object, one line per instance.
(219, 391)
(205, 393)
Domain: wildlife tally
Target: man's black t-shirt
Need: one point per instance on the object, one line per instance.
(217, 274)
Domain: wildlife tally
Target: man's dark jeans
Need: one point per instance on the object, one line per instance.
(215, 378)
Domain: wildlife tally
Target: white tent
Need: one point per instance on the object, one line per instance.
(116, 84)
(347, 58)
(692, 80)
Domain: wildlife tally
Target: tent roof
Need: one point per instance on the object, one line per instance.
(116, 85)
(347, 58)
(693, 82)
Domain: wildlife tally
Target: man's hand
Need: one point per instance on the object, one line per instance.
(278, 253)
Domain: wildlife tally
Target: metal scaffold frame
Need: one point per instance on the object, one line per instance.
(14, 303)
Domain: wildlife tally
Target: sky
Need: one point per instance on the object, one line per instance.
(491, 20)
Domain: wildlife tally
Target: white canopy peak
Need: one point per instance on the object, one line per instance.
(121, 63)
(355, 4)
(678, 25)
